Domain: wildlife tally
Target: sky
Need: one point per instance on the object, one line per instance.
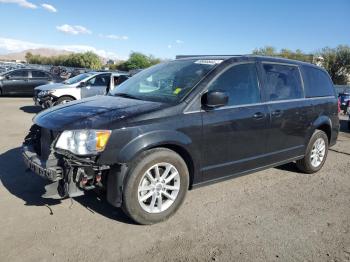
(114, 28)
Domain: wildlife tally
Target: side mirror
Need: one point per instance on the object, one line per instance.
(215, 99)
(82, 84)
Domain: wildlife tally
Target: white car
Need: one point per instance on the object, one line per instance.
(78, 87)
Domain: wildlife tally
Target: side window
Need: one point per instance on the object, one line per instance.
(100, 80)
(119, 79)
(19, 73)
(282, 82)
(317, 83)
(39, 74)
(240, 82)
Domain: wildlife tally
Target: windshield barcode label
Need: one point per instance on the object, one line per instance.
(208, 62)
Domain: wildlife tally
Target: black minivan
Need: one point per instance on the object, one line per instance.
(183, 124)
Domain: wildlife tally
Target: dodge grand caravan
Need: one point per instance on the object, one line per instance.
(183, 124)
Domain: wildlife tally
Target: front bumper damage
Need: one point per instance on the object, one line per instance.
(69, 175)
(46, 101)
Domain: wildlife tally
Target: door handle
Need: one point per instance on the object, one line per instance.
(258, 115)
(276, 113)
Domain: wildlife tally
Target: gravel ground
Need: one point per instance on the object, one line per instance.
(273, 215)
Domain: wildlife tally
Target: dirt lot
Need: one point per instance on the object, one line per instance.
(274, 215)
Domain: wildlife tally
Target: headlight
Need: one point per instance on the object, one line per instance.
(83, 142)
(46, 92)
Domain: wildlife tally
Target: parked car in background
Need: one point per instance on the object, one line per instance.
(344, 102)
(23, 81)
(78, 87)
(183, 124)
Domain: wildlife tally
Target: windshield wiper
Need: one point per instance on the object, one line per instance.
(127, 96)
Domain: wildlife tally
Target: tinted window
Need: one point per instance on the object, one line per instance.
(119, 79)
(316, 82)
(40, 74)
(19, 73)
(100, 80)
(282, 82)
(240, 82)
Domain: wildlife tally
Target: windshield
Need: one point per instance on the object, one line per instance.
(77, 78)
(167, 82)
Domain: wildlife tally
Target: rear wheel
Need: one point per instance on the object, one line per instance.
(316, 153)
(155, 186)
(64, 100)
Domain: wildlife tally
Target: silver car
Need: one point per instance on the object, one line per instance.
(78, 87)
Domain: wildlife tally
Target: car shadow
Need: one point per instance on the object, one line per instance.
(344, 126)
(30, 187)
(31, 109)
(291, 167)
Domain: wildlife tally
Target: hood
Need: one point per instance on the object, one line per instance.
(94, 112)
(53, 86)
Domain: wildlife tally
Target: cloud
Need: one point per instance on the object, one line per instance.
(14, 45)
(49, 8)
(115, 37)
(179, 42)
(73, 29)
(22, 3)
(170, 46)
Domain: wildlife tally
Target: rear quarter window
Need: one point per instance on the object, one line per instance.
(317, 83)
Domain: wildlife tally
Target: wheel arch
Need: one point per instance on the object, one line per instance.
(173, 140)
(185, 155)
(324, 124)
(74, 98)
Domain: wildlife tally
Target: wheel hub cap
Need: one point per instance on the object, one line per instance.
(318, 151)
(158, 188)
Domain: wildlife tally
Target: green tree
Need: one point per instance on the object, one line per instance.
(285, 53)
(266, 51)
(138, 61)
(85, 60)
(337, 62)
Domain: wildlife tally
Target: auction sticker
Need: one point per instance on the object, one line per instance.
(208, 62)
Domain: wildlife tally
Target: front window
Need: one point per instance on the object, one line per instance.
(167, 82)
(240, 83)
(77, 79)
(19, 73)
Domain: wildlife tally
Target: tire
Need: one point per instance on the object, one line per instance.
(306, 164)
(64, 100)
(133, 205)
(0, 92)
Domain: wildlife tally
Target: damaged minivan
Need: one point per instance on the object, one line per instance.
(183, 124)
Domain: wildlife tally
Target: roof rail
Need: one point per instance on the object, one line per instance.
(194, 56)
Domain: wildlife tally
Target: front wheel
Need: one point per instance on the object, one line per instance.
(316, 153)
(155, 186)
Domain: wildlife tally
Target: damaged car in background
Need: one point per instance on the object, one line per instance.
(183, 124)
(78, 87)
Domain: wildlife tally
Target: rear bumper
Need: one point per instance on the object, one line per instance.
(38, 166)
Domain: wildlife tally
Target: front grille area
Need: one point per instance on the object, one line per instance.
(41, 139)
(45, 143)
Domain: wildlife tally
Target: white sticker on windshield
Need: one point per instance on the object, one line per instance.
(208, 62)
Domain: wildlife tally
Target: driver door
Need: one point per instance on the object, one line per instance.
(96, 85)
(235, 135)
